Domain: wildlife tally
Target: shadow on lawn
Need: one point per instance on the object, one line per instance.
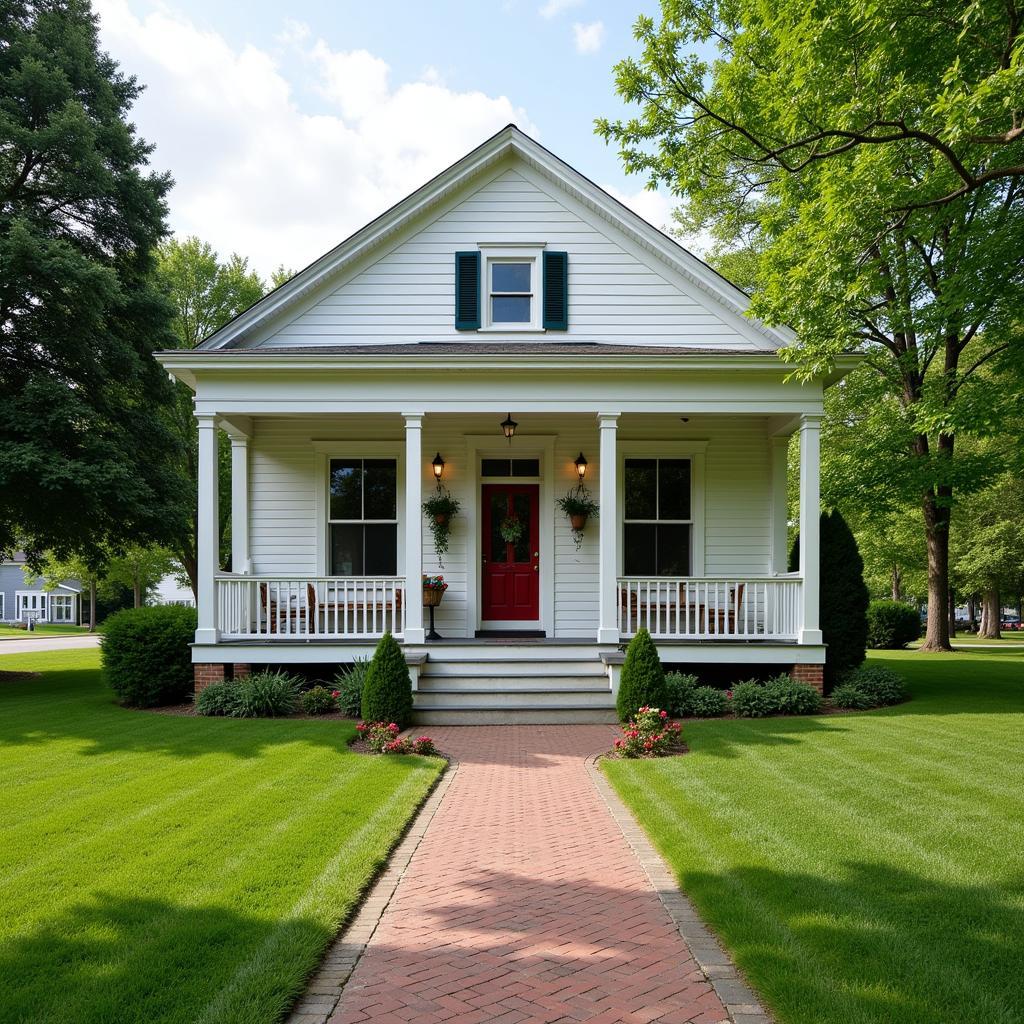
(876, 944)
(146, 961)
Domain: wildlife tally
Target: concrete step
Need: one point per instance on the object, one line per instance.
(436, 666)
(503, 683)
(565, 715)
(594, 697)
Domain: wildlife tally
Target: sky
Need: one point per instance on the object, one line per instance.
(288, 126)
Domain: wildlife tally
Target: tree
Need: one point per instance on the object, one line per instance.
(83, 450)
(140, 568)
(88, 571)
(206, 294)
(825, 159)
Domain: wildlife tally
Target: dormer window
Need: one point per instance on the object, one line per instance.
(511, 291)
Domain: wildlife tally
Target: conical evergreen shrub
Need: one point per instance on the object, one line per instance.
(387, 691)
(643, 679)
(844, 596)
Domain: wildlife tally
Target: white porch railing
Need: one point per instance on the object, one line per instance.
(711, 608)
(308, 607)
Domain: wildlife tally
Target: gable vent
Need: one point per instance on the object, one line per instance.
(467, 291)
(556, 291)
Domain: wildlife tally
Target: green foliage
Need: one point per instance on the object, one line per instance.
(679, 687)
(266, 695)
(843, 596)
(643, 680)
(387, 689)
(218, 700)
(317, 700)
(439, 509)
(780, 695)
(892, 625)
(84, 454)
(139, 568)
(880, 683)
(708, 702)
(852, 697)
(146, 656)
(751, 700)
(349, 682)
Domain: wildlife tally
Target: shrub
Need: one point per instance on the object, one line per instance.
(266, 695)
(881, 684)
(387, 690)
(679, 687)
(643, 679)
(707, 702)
(424, 746)
(892, 625)
(378, 734)
(648, 734)
(349, 683)
(849, 695)
(843, 600)
(146, 655)
(791, 697)
(318, 700)
(751, 699)
(218, 700)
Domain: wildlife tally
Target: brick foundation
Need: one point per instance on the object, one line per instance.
(812, 674)
(241, 671)
(206, 674)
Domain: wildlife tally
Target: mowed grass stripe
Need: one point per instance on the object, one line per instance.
(205, 838)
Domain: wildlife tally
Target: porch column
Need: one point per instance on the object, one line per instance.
(780, 503)
(239, 503)
(414, 633)
(608, 532)
(810, 527)
(207, 555)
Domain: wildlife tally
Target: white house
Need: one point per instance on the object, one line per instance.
(508, 290)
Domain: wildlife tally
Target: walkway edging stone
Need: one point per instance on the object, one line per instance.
(325, 986)
(736, 995)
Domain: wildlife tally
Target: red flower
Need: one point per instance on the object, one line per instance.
(361, 727)
(335, 694)
(728, 694)
(648, 745)
(664, 714)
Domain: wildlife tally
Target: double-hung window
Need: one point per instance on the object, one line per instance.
(363, 517)
(658, 519)
(510, 299)
(60, 607)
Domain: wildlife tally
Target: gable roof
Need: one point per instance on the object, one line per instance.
(510, 141)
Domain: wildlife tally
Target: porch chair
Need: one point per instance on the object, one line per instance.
(275, 612)
(724, 618)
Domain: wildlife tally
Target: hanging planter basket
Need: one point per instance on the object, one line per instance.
(432, 597)
(439, 510)
(577, 506)
(441, 518)
(578, 521)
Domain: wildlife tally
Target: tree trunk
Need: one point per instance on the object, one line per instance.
(990, 615)
(936, 525)
(952, 614)
(92, 606)
(972, 613)
(137, 592)
(897, 583)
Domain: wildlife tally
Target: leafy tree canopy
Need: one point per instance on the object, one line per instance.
(83, 451)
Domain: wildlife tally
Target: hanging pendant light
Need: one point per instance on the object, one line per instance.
(508, 427)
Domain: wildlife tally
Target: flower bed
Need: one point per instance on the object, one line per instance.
(649, 733)
(385, 738)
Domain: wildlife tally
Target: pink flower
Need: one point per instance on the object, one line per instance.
(664, 714)
(335, 694)
(648, 745)
(728, 694)
(361, 727)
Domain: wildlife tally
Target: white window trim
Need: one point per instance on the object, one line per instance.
(327, 450)
(513, 252)
(43, 608)
(696, 452)
(70, 599)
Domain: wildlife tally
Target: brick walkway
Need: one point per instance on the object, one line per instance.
(524, 903)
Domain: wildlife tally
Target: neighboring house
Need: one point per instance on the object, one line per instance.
(170, 591)
(508, 289)
(21, 601)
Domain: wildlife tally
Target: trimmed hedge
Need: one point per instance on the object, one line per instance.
(318, 701)
(680, 686)
(642, 683)
(778, 696)
(852, 697)
(387, 690)
(218, 700)
(708, 702)
(892, 625)
(146, 657)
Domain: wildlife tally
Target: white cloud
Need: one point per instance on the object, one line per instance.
(258, 174)
(588, 38)
(555, 7)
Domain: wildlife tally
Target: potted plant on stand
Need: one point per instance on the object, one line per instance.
(578, 507)
(433, 590)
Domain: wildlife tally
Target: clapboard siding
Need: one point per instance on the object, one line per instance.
(284, 476)
(408, 293)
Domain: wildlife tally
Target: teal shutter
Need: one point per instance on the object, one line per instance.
(556, 291)
(467, 291)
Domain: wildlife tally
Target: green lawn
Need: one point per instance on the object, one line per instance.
(175, 869)
(43, 629)
(867, 867)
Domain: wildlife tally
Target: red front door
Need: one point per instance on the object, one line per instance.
(511, 568)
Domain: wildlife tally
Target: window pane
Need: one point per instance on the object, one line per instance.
(499, 509)
(638, 549)
(640, 489)
(673, 549)
(510, 277)
(347, 550)
(379, 487)
(381, 549)
(674, 488)
(510, 309)
(521, 510)
(495, 467)
(346, 489)
(526, 467)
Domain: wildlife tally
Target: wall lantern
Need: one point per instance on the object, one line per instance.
(438, 464)
(581, 466)
(508, 427)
